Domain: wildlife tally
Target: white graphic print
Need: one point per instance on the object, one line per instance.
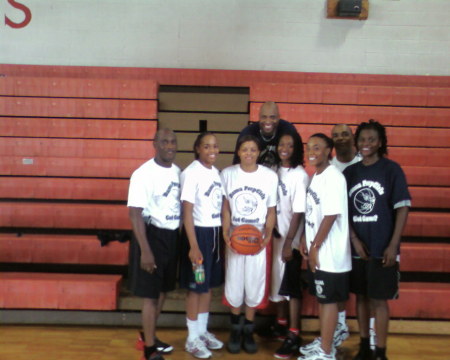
(364, 200)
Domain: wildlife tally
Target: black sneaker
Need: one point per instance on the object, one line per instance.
(364, 355)
(249, 343)
(274, 331)
(234, 343)
(289, 348)
(163, 347)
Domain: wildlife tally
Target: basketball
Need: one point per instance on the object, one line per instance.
(246, 239)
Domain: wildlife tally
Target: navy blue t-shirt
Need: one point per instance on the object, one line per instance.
(269, 146)
(372, 193)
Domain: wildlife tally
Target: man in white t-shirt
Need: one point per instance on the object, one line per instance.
(154, 211)
(346, 155)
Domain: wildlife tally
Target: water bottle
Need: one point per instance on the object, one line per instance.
(199, 272)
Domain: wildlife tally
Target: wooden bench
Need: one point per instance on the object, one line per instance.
(67, 149)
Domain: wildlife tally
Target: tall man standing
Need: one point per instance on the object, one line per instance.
(268, 131)
(154, 211)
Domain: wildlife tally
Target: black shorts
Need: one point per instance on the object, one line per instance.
(370, 278)
(210, 243)
(291, 284)
(164, 245)
(329, 288)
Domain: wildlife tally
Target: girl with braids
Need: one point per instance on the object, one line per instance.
(378, 209)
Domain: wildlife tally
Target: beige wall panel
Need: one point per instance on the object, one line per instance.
(215, 122)
(183, 101)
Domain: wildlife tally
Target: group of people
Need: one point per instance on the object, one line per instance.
(345, 221)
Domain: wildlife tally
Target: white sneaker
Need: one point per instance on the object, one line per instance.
(198, 349)
(210, 341)
(340, 334)
(319, 354)
(373, 338)
(311, 347)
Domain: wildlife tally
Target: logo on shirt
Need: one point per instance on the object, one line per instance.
(215, 194)
(246, 204)
(364, 200)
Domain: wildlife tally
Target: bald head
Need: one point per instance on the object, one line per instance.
(268, 118)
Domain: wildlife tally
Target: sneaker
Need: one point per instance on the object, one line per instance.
(311, 347)
(160, 345)
(198, 349)
(154, 356)
(373, 338)
(211, 342)
(249, 343)
(289, 348)
(364, 355)
(340, 334)
(319, 354)
(234, 343)
(274, 331)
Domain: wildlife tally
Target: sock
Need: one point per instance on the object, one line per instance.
(148, 350)
(295, 331)
(341, 317)
(202, 323)
(235, 319)
(282, 321)
(192, 326)
(380, 352)
(372, 323)
(246, 322)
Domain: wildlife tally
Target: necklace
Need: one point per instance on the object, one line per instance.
(267, 139)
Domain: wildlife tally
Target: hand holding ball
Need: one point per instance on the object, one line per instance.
(246, 240)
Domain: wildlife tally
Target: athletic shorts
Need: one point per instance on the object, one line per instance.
(210, 242)
(370, 278)
(165, 247)
(292, 283)
(246, 279)
(329, 288)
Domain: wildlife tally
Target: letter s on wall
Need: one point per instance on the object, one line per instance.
(26, 11)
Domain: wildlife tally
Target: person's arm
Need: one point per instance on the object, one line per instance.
(195, 255)
(271, 218)
(226, 222)
(296, 220)
(138, 226)
(322, 233)
(390, 254)
(358, 245)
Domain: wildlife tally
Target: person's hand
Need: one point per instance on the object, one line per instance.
(389, 256)
(286, 252)
(148, 262)
(227, 240)
(313, 259)
(195, 255)
(303, 248)
(360, 248)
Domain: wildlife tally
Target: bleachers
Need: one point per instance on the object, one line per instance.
(67, 149)
(418, 128)
(70, 138)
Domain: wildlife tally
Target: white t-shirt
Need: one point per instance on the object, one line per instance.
(250, 194)
(342, 165)
(327, 195)
(292, 184)
(156, 189)
(203, 188)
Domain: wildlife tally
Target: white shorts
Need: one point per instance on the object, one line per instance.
(245, 279)
(277, 270)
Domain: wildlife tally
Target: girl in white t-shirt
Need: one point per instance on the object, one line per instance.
(201, 194)
(326, 245)
(286, 263)
(250, 198)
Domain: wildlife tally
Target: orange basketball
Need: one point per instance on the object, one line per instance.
(246, 239)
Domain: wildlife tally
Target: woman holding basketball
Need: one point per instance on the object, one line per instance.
(286, 280)
(250, 198)
(326, 244)
(201, 194)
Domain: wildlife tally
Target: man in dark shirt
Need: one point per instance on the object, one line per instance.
(268, 131)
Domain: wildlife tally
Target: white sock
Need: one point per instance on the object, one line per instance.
(341, 317)
(192, 326)
(372, 323)
(203, 322)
